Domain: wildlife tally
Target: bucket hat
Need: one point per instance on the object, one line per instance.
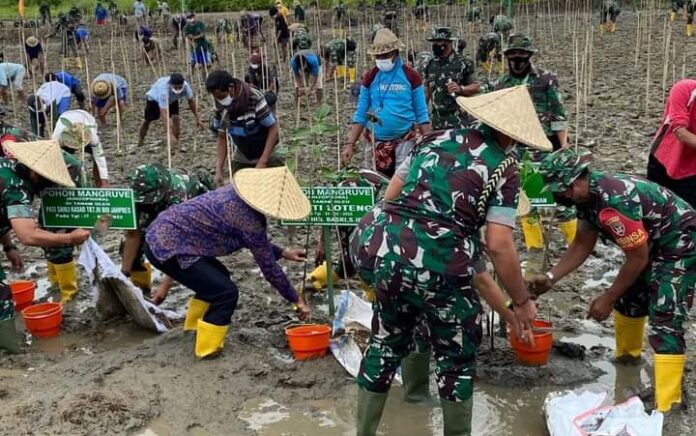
(43, 157)
(562, 167)
(273, 192)
(510, 111)
(384, 42)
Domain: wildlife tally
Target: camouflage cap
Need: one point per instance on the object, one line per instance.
(200, 182)
(178, 187)
(150, 183)
(442, 33)
(502, 23)
(303, 41)
(562, 167)
(519, 41)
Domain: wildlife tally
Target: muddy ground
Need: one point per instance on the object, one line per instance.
(108, 377)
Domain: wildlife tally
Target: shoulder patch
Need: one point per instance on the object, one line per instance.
(627, 233)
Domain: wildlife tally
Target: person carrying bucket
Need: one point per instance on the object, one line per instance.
(657, 232)
(419, 251)
(25, 169)
(185, 241)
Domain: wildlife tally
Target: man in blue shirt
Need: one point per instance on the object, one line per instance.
(107, 90)
(71, 82)
(162, 101)
(306, 68)
(391, 106)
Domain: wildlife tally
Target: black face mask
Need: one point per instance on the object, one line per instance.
(563, 201)
(519, 67)
(438, 50)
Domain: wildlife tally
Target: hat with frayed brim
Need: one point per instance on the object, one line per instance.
(273, 192)
(101, 88)
(511, 112)
(44, 158)
(32, 41)
(384, 42)
(524, 207)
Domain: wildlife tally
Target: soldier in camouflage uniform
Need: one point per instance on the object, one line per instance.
(503, 26)
(609, 9)
(690, 11)
(489, 54)
(657, 232)
(419, 250)
(447, 76)
(21, 178)
(421, 60)
(156, 188)
(339, 53)
(544, 88)
(677, 5)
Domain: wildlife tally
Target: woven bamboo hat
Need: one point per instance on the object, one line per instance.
(101, 88)
(509, 111)
(384, 42)
(76, 136)
(43, 157)
(32, 41)
(273, 192)
(524, 207)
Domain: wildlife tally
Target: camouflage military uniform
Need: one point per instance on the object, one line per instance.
(421, 61)
(157, 188)
(419, 254)
(438, 73)
(335, 51)
(610, 9)
(631, 211)
(502, 24)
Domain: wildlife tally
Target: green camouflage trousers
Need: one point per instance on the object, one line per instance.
(451, 310)
(664, 292)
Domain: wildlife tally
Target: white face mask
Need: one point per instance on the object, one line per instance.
(254, 67)
(177, 91)
(385, 65)
(226, 101)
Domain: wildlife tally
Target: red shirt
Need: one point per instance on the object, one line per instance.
(680, 111)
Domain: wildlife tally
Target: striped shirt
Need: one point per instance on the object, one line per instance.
(249, 128)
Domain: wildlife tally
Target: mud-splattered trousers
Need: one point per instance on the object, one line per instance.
(452, 309)
(631, 211)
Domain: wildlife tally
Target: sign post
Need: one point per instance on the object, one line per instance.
(82, 207)
(335, 206)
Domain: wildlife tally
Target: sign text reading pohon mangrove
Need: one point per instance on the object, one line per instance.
(81, 207)
(337, 206)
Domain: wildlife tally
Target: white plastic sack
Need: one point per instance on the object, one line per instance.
(98, 264)
(352, 308)
(570, 414)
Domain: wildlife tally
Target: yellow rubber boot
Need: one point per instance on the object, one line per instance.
(66, 274)
(352, 74)
(672, 16)
(601, 28)
(628, 333)
(319, 276)
(531, 228)
(369, 292)
(195, 312)
(142, 279)
(569, 228)
(52, 274)
(210, 338)
(689, 30)
(340, 71)
(79, 62)
(486, 67)
(612, 27)
(669, 370)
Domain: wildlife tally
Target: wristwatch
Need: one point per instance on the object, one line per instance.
(550, 275)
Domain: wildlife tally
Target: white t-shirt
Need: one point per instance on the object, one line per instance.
(51, 92)
(84, 117)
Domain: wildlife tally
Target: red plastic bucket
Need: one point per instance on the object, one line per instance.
(308, 341)
(537, 355)
(43, 320)
(22, 293)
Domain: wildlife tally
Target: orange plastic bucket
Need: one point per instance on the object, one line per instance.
(308, 341)
(43, 320)
(22, 293)
(537, 355)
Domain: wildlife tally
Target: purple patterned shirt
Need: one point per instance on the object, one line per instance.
(217, 224)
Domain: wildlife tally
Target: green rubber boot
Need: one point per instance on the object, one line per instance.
(9, 341)
(370, 406)
(456, 417)
(415, 373)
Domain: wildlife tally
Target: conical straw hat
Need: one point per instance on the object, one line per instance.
(43, 157)
(524, 207)
(101, 88)
(273, 192)
(509, 111)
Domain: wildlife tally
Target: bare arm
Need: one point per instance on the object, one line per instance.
(271, 141)
(686, 137)
(130, 249)
(221, 157)
(425, 128)
(471, 89)
(29, 233)
(501, 249)
(396, 184)
(576, 254)
(562, 137)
